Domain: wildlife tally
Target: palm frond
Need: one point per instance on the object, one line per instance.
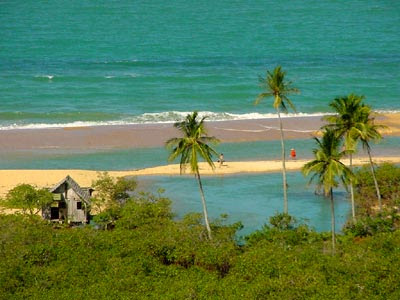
(193, 144)
(326, 167)
(275, 86)
(261, 96)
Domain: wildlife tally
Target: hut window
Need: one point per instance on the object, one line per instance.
(78, 205)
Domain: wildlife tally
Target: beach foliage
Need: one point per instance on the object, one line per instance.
(369, 132)
(285, 230)
(354, 121)
(276, 86)
(327, 170)
(176, 260)
(350, 115)
(122, 206)
(110, 195)
(388, 179)
(193, 145)
(388, 221)
(151, 255)
(28, 198)
(110, 191)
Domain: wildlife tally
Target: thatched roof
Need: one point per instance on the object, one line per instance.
(81, 192)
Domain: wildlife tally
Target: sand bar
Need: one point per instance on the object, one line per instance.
(47, 178)
(155, 135)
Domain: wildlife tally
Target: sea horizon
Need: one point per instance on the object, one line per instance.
(153, 63)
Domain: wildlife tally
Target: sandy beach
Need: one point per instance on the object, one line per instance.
(48, 178)
(155, 135)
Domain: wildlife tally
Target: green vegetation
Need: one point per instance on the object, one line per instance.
(135, 249)
(277, 87)
(176, 260)
(354, 122)
(388, 178)
(346, 123)
(193, 145)
(327, 169)
(112, 194)
(369, 132)
(149, 255)
(373, 219)
(29, 199)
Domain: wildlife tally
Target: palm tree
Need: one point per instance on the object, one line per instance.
(190, 147)
(327, 169)
(369, 132)
(276, 86)
(349, 119)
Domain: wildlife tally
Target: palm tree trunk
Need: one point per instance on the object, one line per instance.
(378, 193)
(285, 200)
(203, 202)
(332, 222)
(353, 209)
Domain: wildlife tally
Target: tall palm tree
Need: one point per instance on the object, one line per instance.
(277, 87)
(190, 147)
(327, 169)
(369, 131)
(347, 122)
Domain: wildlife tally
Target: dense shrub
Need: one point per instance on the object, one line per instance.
(176, 260)
(388, 178)
(149, 255)
(367, 225)
(285, 230)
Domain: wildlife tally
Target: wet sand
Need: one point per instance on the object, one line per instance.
(149, 135)
(48, 178)
(155, 135)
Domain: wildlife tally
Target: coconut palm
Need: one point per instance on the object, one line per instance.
(277, 87)
(350, 116)
(190, 147)
(327, 169)
(369, 132)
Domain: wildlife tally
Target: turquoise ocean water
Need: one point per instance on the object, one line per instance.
(78, 63)
(74, 63)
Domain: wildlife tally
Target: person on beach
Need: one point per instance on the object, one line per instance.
(221, 159)
(293, 153)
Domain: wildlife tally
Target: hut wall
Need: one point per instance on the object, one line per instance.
(76, 207)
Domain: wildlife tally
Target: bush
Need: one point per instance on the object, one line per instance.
(285, 230)
(28, 198)
(177, 261)
(145, 209)
(388, 178)
(365, 226)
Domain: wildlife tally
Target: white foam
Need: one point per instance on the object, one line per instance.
(383, 111)
(50, 77)
(160, 118)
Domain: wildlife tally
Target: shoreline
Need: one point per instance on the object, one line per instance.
(47, 178)
(155, 135)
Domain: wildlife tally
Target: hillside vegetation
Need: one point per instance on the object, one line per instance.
(149, 255)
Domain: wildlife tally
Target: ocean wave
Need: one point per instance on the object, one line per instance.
(66, 120)
(156, 118)
(387, 111)
(49, 77)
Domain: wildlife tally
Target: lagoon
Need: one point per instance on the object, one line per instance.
(251, 199)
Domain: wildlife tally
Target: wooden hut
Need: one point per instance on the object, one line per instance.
(71, 202)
